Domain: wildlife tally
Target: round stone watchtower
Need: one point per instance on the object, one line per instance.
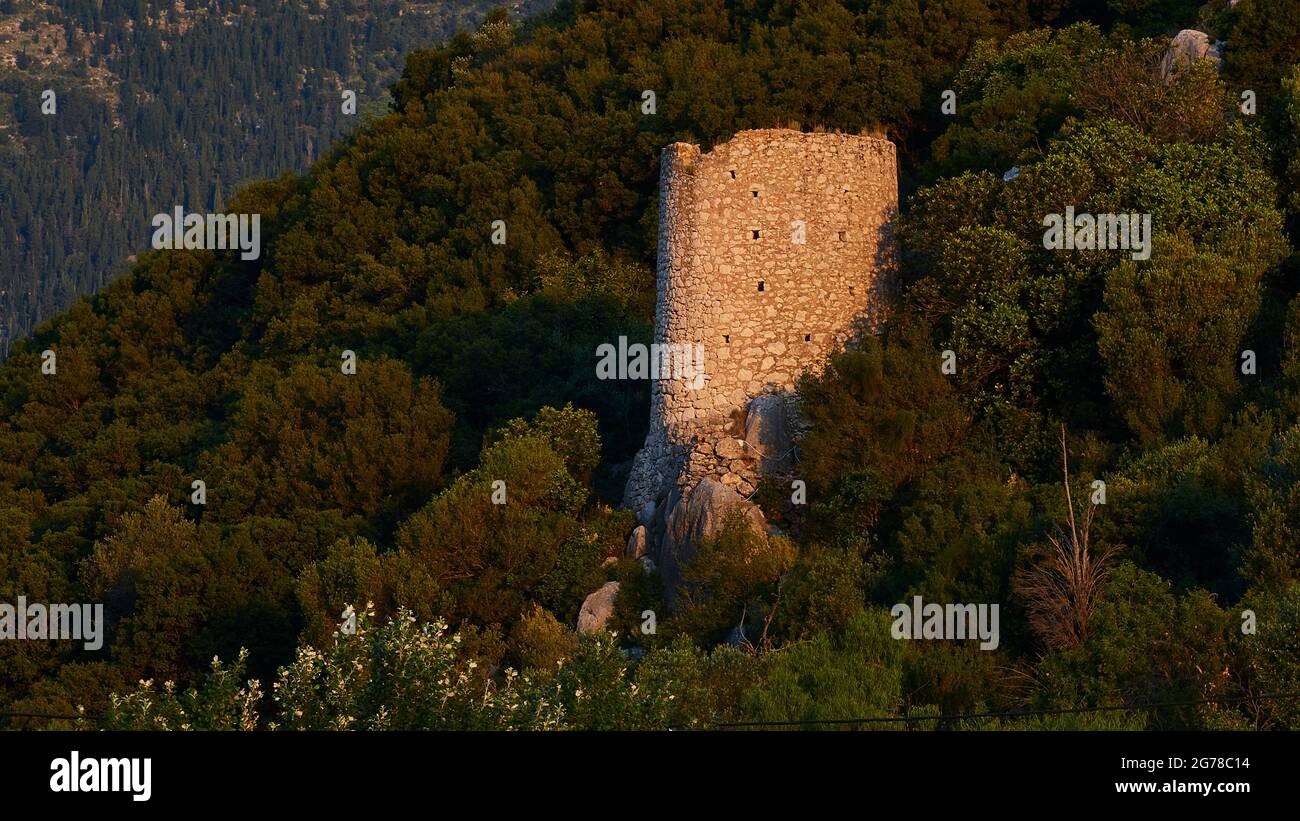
(774, 249)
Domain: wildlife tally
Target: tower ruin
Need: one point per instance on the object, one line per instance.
(774, 249)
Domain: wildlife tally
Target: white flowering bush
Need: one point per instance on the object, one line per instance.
(222, 703)
(408, 675)
(405, 675)
(400, 675)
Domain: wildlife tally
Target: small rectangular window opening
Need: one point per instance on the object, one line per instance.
(733, 173)
(754, 234)
(807, 337)
(760, 285)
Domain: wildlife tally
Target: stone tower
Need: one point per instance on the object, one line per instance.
(774, 249)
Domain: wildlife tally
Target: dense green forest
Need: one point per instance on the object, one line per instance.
(158, 105)
(476, 363)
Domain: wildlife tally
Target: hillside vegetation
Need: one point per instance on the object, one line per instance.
(476, 364)
(159, 104)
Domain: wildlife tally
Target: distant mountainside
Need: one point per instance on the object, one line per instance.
(158, 104)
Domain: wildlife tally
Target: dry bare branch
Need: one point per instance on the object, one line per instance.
(1062, 593)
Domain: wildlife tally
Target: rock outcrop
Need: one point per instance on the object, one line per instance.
(1188, 46)
(598, 608)
(767, 433)
(637, 543)
(694, 517)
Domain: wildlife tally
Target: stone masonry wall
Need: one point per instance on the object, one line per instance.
(731, 276)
